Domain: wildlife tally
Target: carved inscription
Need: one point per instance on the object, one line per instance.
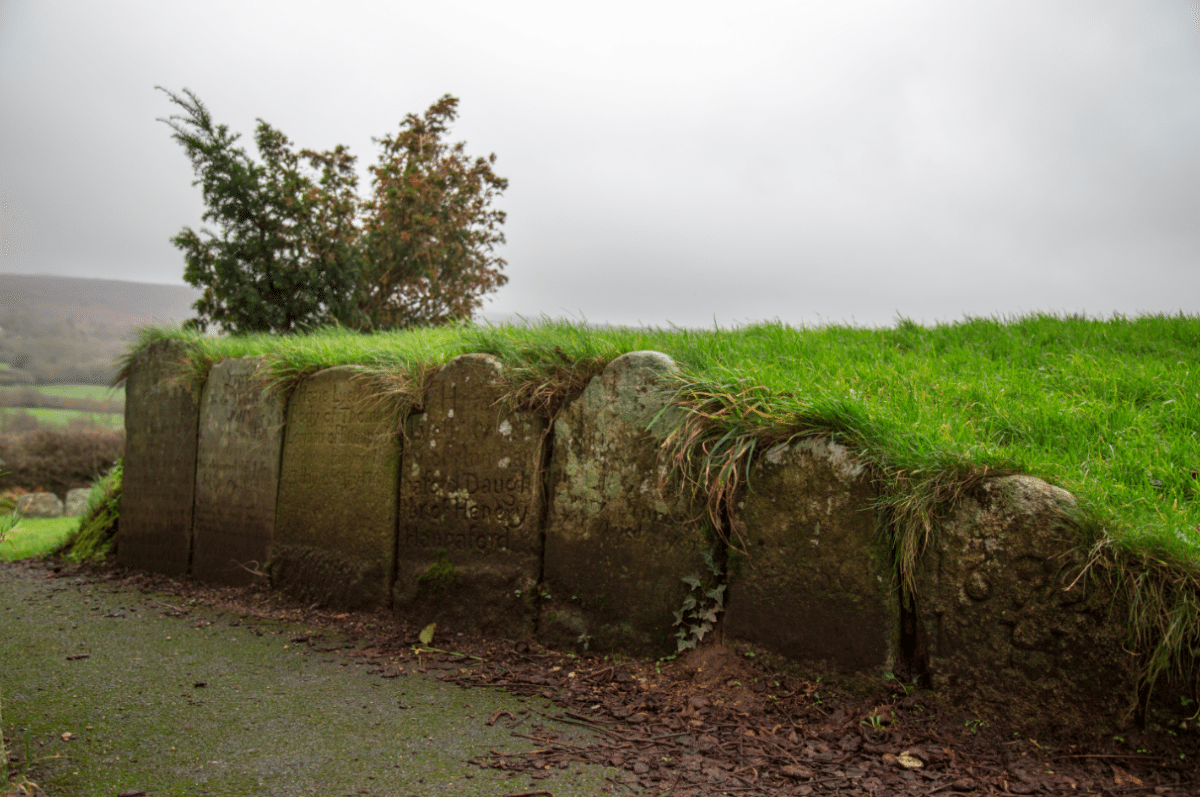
(337, 491)
(237, 473)
(468, 475)
(160, 465)
(470, 498)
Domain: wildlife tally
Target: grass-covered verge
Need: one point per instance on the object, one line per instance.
(94, 535)
(1107, 409)
(36, 537)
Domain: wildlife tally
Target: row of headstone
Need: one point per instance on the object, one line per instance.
(487, 520)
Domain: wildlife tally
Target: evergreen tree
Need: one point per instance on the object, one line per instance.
(295, 247)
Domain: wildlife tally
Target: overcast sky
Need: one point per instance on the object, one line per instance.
(669, 163)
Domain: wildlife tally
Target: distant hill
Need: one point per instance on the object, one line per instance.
(56, 330)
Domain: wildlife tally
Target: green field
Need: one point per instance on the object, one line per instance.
(98, 392)
(12, 417)
(52, 417)
(1108, 409)
(36, 536)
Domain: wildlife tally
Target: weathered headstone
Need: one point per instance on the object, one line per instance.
(1002, 631)
(76, 501)
(40, 505)
(158, 484)
(816, 584)
(335, 519)
(237, 474)
(469, 551)
(617, 548)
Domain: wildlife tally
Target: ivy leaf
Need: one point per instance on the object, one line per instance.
(692, 582)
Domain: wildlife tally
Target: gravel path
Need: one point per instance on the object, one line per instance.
(123, 693)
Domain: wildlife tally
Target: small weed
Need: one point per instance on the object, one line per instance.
(874, 721)
(584, 639)
(518, 593)
(907, 689)
(974, 725)
(700, 607)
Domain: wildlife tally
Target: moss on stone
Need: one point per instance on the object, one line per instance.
(441, 574)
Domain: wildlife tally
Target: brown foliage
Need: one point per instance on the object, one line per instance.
(57, 460)
(430, 228)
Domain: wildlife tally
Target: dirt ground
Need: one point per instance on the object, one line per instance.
(719, 722)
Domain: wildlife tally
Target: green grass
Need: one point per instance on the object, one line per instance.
(1108, 409)
(36, 537)
(97, 392)
(52, 417)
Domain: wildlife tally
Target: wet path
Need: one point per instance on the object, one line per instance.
(171, 702)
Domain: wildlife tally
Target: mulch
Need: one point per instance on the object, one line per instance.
(715, 721)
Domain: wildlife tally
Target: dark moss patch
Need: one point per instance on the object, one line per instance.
(440, 576)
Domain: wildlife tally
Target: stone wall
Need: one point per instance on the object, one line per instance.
(489, 520)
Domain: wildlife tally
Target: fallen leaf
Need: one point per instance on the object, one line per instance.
(426, 635)
(797, 771)
(66, 737)
(909, 761)
(1123, 778)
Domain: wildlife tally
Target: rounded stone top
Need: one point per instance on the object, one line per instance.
(485, 367)
(651, 360)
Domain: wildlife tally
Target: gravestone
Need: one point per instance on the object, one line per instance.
(617, 547)
(816, 583)
(237, 474)
(335, 518)
(1009, 625)
(159, 479)
(40, 505)
(470, 506)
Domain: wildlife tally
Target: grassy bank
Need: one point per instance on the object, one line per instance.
(1107, 409)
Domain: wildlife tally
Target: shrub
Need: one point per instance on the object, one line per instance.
(58, 460)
